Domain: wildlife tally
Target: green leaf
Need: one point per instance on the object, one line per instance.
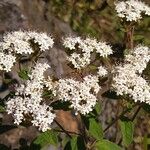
(97, 108)
(146, 142)
(75, 143)
(64, 141)
(127, 129)
(2, 109)
(138, 37)
(106, 145)
(23, 74)
(46, 138)
(95, 129)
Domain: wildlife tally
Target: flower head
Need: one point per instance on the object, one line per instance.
(128, 77)
(28, 101)
(82, 49)
(131, 10)
(19, 42)
(81, 94)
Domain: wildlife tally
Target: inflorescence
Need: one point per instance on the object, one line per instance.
(86, 46)
(28, 101)
(19, 43)
(128, 79)
(132, 10)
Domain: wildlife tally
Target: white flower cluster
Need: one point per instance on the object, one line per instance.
(139, 58)
(19, 42)
(128, 79)
(102, 71)
(45, 41)
(132, 10)
(28, 101)
(87, 46)
(6, 61)
(81, 94)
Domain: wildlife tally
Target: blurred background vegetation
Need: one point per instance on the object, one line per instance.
(96, 18)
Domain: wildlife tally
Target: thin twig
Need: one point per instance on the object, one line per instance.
(68, 132)
(62, 128)
(136, 113)
(132, 119)
(115, 120)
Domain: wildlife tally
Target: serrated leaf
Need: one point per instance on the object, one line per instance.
(127, 129)
(95, 129)
(46, 138)
(106, 145)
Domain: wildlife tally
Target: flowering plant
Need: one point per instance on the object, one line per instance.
(35, 97)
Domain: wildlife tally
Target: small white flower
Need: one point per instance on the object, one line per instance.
(102, 71)
(6, 61)
(70, 42)
(51, 85)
